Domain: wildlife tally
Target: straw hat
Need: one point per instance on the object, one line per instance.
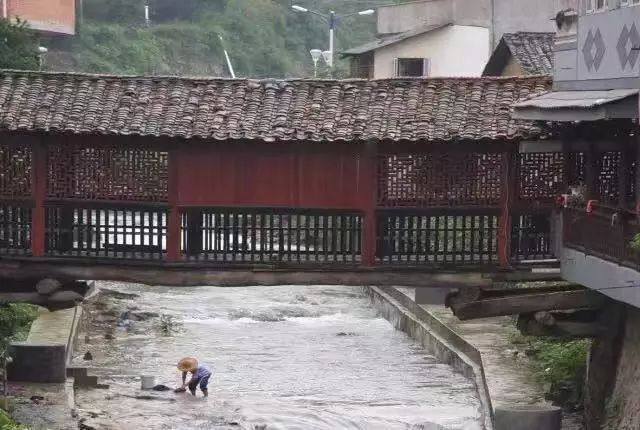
(187, 364)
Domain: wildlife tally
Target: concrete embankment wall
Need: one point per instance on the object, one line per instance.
(622, 410)
(436, 338)
(44, 356)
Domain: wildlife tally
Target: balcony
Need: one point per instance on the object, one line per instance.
(605, 232)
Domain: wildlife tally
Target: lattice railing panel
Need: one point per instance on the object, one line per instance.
(15, 229)
(439, 240)
(271, 236)
(540, 175)
(440, 179)
(106, 173)
(15, 171)
(91, 231)
(577, 170)
(531, 237)
(607, 182)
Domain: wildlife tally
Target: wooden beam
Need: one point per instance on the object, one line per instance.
(526, 276)
(528, 303)
(187, 274)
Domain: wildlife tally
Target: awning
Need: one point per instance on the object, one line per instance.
(579, 106)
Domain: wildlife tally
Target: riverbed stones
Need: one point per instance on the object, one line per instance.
(118, 295)
(46, 287)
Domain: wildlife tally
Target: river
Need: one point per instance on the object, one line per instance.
(287, 357)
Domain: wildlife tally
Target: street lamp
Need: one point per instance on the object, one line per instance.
(331, 20)
(315, 56)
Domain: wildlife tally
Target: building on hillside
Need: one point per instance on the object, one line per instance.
(424, 51)
(444, 37)
(46, 17)
(522, 53)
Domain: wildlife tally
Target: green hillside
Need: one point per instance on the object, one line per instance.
(265, 38)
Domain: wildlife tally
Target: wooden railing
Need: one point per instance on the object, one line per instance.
(91, 230)
(605, 232)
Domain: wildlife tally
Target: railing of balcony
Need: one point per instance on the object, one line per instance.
(603, 232)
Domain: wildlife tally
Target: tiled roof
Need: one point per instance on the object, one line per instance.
(267, 110)
(390, 40)
(533, 51)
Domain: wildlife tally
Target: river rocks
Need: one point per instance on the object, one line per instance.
(109, 336)
(88, 356)
(118, 295)
(161, 387)
(98, 424)
(47, 287)
(342, 333)
(138, 316)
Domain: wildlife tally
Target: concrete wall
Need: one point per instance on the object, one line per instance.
(596, 273)
(623, 407)
(53, 16)
(508, 15)
(523, 15)
(453, 50)
(407, 16)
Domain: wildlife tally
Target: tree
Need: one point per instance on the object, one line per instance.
(18, 49)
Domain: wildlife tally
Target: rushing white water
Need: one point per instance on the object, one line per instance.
(284, 357)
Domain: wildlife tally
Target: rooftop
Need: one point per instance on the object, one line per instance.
(390, 40)
(532, 51)
(428, 110)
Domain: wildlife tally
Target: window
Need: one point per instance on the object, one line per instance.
(630, 2)
(593, 6)
(411, 67)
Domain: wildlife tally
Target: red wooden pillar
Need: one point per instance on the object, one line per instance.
(370, 190)
(173, 218)
(507, 199)
(39, 191)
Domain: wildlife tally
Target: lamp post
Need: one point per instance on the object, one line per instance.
(315, 56)
(331, 19)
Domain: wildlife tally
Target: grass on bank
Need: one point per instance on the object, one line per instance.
(559, 366)
(15, 322)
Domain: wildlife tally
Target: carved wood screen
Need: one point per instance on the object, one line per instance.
(107, 173)
(15, 171)
(540, 175)
(439, 179)
(607, 181)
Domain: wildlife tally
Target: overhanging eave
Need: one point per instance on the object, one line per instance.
(568, 106)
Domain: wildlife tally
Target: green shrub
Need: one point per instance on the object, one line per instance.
(15, 321)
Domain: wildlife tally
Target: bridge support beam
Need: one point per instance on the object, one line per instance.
(174, 215)
(369, 222)
(39, 191)
(508, 197)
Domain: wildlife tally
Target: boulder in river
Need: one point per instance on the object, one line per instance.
(48, 286)
(88, 356)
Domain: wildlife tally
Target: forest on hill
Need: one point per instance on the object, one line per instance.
(264, 38)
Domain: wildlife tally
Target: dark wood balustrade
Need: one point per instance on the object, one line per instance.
(606, 233)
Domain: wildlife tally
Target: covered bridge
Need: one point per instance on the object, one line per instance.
(173, 173)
